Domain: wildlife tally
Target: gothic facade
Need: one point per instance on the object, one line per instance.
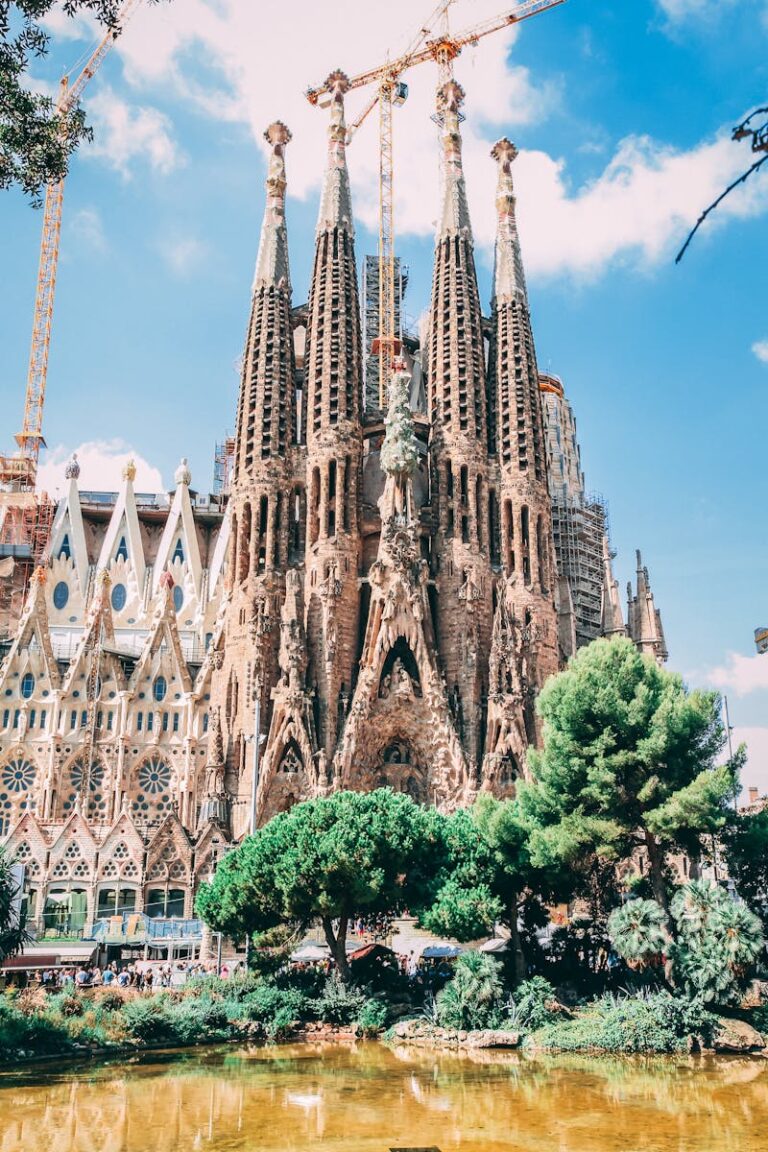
(377, 603)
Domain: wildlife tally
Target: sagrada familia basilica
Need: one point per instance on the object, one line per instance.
(378, 600)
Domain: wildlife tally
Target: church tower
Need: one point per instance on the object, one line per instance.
(246, 660)
(456, 386)
(333, 382)
(525, 638)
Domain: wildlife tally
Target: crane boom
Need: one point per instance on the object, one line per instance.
(21, 470)
(442, 48)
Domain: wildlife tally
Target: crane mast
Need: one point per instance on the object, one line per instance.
(19, 471)
(442, 48)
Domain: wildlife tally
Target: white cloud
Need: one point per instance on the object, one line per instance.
(740, 675)
(124, 133)
(760, 349)
(87, 226)
(182, 254)
(101, 466)
(636, 210)
(678, 10)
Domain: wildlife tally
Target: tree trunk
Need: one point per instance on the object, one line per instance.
(656, 870)
(514, 942)
(337, 942)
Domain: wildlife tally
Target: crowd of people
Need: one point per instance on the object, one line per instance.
(141, 975)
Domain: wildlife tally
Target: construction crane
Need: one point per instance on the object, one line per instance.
(435, 43)
(19, 471)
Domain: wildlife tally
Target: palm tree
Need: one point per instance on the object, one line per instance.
(474, 997)
(639, 932)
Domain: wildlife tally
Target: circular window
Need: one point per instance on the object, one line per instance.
(27, 685)
(159, 689)
(61, 595)
(178, 597)
(119, 597)
(18, 776)
(154, 777)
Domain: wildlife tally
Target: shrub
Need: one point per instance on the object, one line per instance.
(718, 942)
(474, 997)
(198, 1021)
(531, 1007)
(67, 1003)
(146, 1020)
(30, 1034)
(372, 1017)
(276, 1009)
(656, 1022)
(638, 932)
(338, 1003)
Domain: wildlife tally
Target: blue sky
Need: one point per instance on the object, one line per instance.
(621, 109)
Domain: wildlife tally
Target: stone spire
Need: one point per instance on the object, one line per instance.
(266, 409)
(454, 217)
(612, 621)
(519, 435)
(336, 199)
(508, 274)
(333, 383)
(456, 361)
(333, 357)
(272, 261)
(644, 618)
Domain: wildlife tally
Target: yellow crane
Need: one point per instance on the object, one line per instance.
(432, 42)
(19, 471)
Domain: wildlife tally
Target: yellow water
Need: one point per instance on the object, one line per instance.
(367, 1098)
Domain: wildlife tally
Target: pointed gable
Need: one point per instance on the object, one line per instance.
(179, 551)
(164, 630)
(122, 541)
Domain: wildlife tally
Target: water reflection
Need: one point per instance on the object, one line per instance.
(366, 1098)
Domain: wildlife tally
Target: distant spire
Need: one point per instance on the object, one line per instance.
(612, 622)
(272, 262)
(643, 617)
(508, 275)
(455, 211)
(336, 198)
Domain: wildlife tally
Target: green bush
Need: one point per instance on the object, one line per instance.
(530, 1008)
(656, 1022)
(276, 1009)
(474, 998)
(372, 1017)
(198, 1021)
(338, 1003)
(146, 1020)
(67, 1003)
(30, 1033)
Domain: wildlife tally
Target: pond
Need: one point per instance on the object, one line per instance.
(369, 1098)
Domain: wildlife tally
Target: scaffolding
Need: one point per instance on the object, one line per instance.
(223, 464)
(26, 519)
(371, 304)
(579, 525)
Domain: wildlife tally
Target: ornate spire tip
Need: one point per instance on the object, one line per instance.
(278, 134)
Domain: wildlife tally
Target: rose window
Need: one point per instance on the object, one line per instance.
(154, 777)
(18, 776)
(154, 780)
(97, 799)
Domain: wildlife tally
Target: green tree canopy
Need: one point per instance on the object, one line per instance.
(745, 840)
(629, 761)
(331, 859)
(35, 141)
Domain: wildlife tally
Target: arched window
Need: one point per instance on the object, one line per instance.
(27, 685)
(159, 688)
(122, 550)
(244, 545)
(93, 805)
(65, 549)
(178, 597)
(178, 552)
